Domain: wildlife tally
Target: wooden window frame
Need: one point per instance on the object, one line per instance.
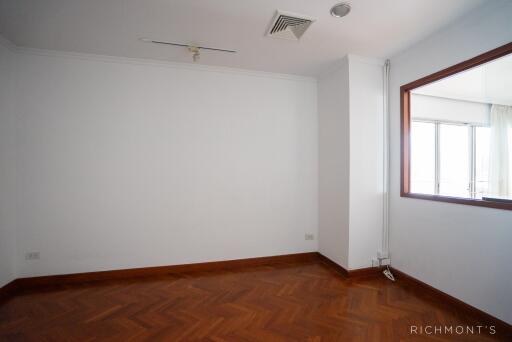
(405, 128)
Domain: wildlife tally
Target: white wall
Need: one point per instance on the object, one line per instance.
(350, 99)
(334, 163)
(366, 160)
(462, 250)
(130, 164)
(7, 165)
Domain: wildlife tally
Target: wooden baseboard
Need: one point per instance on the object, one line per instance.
(340, 269)
(36, 282)
(359, 273)
(23, 284)
(366, 272)
(483, 318)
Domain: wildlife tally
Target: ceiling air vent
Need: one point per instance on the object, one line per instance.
(289, 25)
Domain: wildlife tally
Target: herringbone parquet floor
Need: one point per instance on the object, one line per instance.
(285, 302)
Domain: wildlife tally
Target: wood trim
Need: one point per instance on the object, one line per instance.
(357, 273)
(339, 269)
(405, 129)
(458, 200)
(37, 282)
(365, 272)
(502, 328)
(22, 284)
(462, 66)
(34, 283)
(405, 120)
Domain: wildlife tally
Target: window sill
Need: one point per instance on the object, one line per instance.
(458, 200)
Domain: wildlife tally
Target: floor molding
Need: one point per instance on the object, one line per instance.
(366, 272)
(341, 270)
(440, 296)
(32, 283)
(36, 282)
(357, 273)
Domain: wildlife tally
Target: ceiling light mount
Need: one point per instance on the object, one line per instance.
(195, 50)
(340, 10)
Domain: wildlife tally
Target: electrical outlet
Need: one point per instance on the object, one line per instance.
(32, 256)
(309, 236)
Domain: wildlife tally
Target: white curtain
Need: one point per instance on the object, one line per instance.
(500, 157)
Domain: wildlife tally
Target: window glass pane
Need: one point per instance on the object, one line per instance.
(481, 161)
(454, 160)
(423, 159)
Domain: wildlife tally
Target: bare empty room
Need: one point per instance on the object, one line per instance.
(257, 170)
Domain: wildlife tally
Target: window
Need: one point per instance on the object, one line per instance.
(481, 164)
(449, 159)
(423, 157)
(456, 133)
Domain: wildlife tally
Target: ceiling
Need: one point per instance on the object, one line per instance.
(487, 83)
(374, 28)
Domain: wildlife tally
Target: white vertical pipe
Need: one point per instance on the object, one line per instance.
(385, 161)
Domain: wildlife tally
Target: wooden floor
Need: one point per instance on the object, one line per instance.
(305, 301)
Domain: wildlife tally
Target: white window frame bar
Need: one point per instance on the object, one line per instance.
(472, 152)
(472, 161)
(437, 182)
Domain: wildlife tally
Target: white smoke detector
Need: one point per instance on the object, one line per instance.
(286, 25)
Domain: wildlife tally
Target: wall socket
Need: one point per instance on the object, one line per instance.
(309, 236)
(32, 256)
